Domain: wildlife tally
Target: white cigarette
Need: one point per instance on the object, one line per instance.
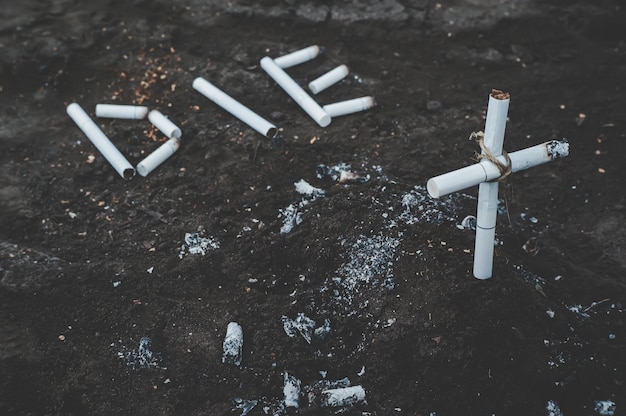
(233, 344)
(133, 112)
(160, 155)
(495, 125)
(486, 171)
(485, 229)
(330, 78)
(234, 107)
(342, 397)
(349, 106)
(164, 124)
(100, 141)
(295, 92)
(297, 57)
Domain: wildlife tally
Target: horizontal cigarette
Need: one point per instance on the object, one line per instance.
(234, 107)
(349, 106)
(330, 78)
(133, 112)
(295, 92)
(100, 141)
(297, 57)
(485, 171)
(164, 124)
(342, 397)
(160, 155)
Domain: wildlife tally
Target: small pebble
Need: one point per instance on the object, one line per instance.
(433, 105)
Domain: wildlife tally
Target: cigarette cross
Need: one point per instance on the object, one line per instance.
(486, 173)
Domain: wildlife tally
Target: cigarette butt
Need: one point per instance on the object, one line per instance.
(304, 100)
(330, 78)
(164, 124)
(133, 112)
(160, 155)
(234, 107)
(349, 106)
(100, 141)
(298, 57)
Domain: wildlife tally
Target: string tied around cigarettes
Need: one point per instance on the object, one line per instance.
(504, 168)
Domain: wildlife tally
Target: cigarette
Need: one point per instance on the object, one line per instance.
(297, 57)
(486, 216)
(349, 106)
(330, 78)
(234, 107)
(164, 124)
(495, 124)
(160, 155)
(486, 171)
(133, 112)
(342, 397)
(485, 229)
(100, 141)
(295, 92)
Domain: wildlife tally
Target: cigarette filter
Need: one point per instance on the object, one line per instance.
(234, 107)
(133, 112)
(295, 92)
(164, 124)
(297, 57)
(160, 155)
(330, 78)
(349, 106)
(100, 141)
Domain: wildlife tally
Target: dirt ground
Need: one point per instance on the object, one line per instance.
(115, 295)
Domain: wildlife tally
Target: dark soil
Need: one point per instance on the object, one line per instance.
(90, 263)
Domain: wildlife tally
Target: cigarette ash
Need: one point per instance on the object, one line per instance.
(419, 207)
(341, 173)
(195, 243)
(369, 257)
(605, 407)
(292, 214)
(245, 405)
(557, 148)
(142, 357)
(306, 327)
(553, 408)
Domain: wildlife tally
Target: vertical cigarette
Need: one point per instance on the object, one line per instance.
(495, 125)
(233, 344)
(349, 106)
(297, 57)
(100, 141)
(330, 78)
(234, 107)
(133, 112)
(164, 124)
(160, 155)
(295, 92)
(485, 229)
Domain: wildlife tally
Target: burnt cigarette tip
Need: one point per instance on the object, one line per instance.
(500, 95)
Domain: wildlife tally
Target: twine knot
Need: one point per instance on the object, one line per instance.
(505, 169)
